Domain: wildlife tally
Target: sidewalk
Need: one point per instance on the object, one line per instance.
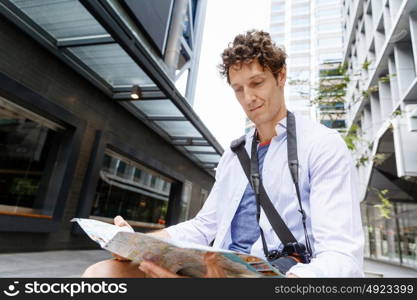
(66, 263)
(72, 263)
(388, 270)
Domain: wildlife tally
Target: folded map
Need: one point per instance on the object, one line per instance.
(178, 257)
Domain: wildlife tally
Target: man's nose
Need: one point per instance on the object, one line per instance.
(249, 95)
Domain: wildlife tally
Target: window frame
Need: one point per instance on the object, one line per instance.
(107, 140)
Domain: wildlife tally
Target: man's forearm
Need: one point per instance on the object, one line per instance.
(160, 234)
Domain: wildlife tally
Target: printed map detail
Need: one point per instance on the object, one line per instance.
(178, 257)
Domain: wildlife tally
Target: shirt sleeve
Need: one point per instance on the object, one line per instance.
(203, 227)
(335, 212)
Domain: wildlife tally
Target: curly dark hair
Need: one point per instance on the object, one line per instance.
(254, 44)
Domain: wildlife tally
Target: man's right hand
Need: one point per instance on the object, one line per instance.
(119, 221)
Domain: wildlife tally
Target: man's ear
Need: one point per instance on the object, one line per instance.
(282, 76)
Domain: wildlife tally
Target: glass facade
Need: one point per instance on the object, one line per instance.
(300, 22)
(301, 60)
(130, 189)
(88, 46)
(300, 47)
(334, 42)
(392, 239)
(28, 147)
(279, 6)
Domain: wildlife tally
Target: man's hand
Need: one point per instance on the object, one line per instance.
(210, 260)
(119, 221)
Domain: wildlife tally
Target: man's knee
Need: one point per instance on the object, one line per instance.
(100, 269)
(112, 268)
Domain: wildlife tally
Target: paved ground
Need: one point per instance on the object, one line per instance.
(375, 268)
(73, 263)
(49, 264)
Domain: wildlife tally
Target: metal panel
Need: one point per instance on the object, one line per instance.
(179, 128)
(158, 108)
(208, 158)
(153, 16)
(61, 18)
(200, 148)
(110, 20)
(112, 63)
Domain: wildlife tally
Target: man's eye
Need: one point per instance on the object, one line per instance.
(258, 82)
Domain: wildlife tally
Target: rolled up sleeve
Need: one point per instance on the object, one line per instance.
(202, 228)
(335, 213)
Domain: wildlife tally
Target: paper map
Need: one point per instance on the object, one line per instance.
(185, 258)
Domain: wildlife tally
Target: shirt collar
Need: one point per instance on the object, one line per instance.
(281, 129)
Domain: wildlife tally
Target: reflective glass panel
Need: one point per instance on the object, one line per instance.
(200, 148)
(112, 64)
(179, 128)
(208, 158)
(131, 190)
(158, 108)
(28, 148)
(61, 18)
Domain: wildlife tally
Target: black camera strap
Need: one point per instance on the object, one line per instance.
(251, 169)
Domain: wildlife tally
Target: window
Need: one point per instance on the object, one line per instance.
(301, 10)
(278, 39)
(325, 13)
(301, 75)
(132, 190)
(302, 60)
(277, 28)
(329, 27)
(335, 124)
(330, 56)
(319, 2)
(299, 22)
(278, 6)
(300, 34)
(393, 239)
(278, 18)
(300, 47)
(29, 145)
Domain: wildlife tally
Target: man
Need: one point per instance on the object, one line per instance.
(255, 69)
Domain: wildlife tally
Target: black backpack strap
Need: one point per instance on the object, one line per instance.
(279, 226)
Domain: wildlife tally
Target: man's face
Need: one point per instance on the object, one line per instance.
(258, 91)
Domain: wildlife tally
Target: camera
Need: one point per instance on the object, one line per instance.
(290, 255)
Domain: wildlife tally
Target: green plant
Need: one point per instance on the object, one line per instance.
(24, 186)
(362, 160)
(369, 91)
(379, 158)
(366, 64)
(385, 207)
(397, 113)
(351, 137)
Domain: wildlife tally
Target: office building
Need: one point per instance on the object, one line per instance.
(96, 118)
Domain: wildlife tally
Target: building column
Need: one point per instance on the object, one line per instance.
(173, 48)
